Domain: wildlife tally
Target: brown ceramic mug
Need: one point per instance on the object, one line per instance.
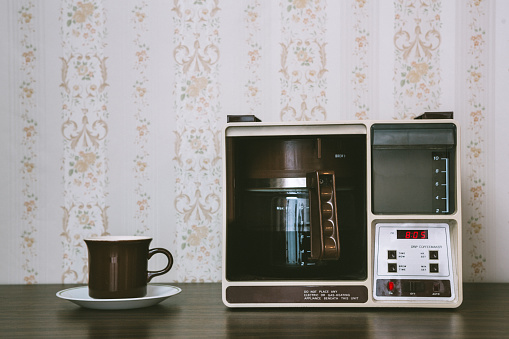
(118, 266)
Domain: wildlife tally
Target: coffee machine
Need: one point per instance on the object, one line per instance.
(341, 214)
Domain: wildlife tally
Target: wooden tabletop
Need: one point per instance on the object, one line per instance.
(29, 311)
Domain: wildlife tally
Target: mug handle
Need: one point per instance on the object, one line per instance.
(151, 252)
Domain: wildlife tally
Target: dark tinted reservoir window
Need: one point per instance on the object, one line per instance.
(413, 168)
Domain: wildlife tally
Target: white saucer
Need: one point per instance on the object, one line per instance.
(155, 294)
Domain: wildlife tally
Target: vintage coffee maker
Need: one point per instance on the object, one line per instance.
(344, 214)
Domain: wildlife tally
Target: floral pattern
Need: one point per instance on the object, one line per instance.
(303, 60)
(361, 71)
(84, 130)
(252, 87)
(294, 64)
(28, 112)
(474, 137)
(417, 38)
(141, 169)
(197, 150)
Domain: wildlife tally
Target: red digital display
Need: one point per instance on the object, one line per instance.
(412, 234)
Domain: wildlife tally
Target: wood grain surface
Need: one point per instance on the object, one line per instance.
(28, 311)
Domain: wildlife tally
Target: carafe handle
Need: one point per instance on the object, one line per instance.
(323, 215)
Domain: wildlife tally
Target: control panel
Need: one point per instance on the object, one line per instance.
(413, 262)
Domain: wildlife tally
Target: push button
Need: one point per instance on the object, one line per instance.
(433, 255)
(392, 267)
(436, 287)
(433, 268)
(391, 255)
(413, 287)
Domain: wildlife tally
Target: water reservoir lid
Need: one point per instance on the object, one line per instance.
(413, 135)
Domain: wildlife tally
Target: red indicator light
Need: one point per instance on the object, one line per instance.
(390, 286)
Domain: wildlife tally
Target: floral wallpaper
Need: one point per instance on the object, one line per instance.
(303, 60)
(475, 75)
(361, 70)
(84, 96)
(197, 161)
(417, 39)
(141, 172)
(28, 150)
(114, 112)
(252, 87)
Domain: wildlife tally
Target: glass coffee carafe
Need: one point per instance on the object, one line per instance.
(297, 208)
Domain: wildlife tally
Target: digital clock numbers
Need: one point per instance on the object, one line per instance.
(412, 234)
